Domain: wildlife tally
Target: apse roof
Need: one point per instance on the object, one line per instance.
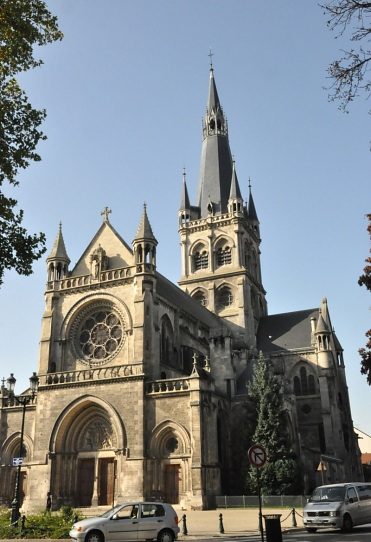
(286, 331)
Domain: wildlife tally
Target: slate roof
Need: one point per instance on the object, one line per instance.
(176, 297)
(184, 200)
(216, 164)
(286, 331)
(235, 192)
(251, 208)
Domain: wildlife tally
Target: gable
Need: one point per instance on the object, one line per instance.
(117, 250)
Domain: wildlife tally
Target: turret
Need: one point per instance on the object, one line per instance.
(323, 334)
(144, 246)
(235, 201)
(58, 260)
(185, 207)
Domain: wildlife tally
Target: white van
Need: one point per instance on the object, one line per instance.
(338, 505)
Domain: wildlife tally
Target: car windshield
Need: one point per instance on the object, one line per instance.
(111, 511)
(328, 494)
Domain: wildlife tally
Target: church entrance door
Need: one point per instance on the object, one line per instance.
(106, 481)
(85, 482)
(172, 484)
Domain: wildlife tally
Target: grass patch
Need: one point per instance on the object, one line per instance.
(45, 525)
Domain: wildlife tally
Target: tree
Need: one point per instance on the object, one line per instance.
(350, 73)
(365, 280)
(24, 24)
(280, 475)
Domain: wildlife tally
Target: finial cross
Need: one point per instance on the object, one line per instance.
(106, 211)
(210, 55)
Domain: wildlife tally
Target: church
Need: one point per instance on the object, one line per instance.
(142, 383)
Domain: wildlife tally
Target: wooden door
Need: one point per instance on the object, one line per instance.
(172, 484)
(85, 482)
(106, 481)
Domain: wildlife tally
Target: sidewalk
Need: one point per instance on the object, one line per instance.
(236, 522)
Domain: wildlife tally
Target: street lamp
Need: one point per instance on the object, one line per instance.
(23, 400)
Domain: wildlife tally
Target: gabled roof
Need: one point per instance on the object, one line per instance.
(286, 331)
(106, 228)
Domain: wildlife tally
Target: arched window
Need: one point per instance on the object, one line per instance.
(201, 298)
(200, 259)
(166, 337)
(224, 298)
(223, 255)
(297, 387)
(304, 383)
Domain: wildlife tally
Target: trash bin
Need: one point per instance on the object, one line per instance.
(273, 527)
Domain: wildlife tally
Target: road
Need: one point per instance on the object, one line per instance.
(359, 534)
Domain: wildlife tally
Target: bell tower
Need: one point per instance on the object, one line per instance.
(220, 236)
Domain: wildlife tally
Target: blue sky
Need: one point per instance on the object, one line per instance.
(125, 92)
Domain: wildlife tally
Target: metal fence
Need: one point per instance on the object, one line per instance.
(244, 501)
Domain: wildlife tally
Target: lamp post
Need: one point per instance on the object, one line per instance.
(23, 400)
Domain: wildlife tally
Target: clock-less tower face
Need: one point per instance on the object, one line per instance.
(98, 334)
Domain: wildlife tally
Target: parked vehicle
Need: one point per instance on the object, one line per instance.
(129, 522)
(338, 505)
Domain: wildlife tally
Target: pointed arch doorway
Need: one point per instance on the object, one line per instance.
(85, 459)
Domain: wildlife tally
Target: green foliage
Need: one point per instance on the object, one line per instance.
(280, 475)
(365, 280)
(24, 24)
(46, 525)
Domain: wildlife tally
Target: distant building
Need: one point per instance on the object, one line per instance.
(143, 384)
(364, 441)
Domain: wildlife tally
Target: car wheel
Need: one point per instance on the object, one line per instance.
(347, 523)
(94, 536)
(311, 529)
(165, 536)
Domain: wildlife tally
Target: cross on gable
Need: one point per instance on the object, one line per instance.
(106, 211)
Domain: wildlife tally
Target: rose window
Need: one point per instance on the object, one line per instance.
(100, 335)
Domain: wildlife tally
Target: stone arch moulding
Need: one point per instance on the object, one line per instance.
(90, 299)
(10, 447)
(165, 430)
(84, 410)
(223, 239)
(198, 244)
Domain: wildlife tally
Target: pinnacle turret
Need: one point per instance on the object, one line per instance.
(58, 260)
(144, 229)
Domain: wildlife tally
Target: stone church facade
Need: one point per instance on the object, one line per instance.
(142, 383)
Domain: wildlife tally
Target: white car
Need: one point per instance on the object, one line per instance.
(129, 521)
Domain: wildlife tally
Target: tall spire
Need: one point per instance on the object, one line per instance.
(216, 160)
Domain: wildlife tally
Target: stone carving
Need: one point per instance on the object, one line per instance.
(98, 261)
(98, 436)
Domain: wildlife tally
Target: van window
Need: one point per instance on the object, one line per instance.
(328, 494)
(364, 492)
(351, 494)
